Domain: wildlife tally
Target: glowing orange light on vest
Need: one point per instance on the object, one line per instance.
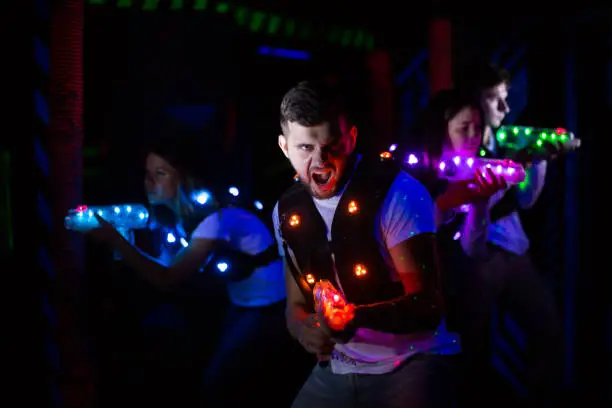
(385, 155)
(352, 207)
(294, 220)
(360, 270)
(310, 279)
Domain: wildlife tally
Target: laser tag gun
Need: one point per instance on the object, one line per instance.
(459, 168)
(331, 304)
(124, 217)
(520, 137)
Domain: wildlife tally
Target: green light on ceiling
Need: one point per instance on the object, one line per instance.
(289, 27)
(346, 38)
(222, 8)
(200, 4)
(274, 24)
(359, 39)
(177, 5)
(149, 5)
(257, 20)
(241, 16)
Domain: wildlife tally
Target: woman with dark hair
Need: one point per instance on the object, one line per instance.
(206, 230)
(452, 126)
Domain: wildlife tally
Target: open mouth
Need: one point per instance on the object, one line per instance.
(321, 178)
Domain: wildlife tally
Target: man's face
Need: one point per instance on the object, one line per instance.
(319, 154)
(495, 105)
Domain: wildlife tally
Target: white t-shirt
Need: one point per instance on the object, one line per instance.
(247, 233)
(407, 210)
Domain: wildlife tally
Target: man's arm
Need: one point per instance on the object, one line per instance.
(296, 313)
(408, 229)
(529, 190)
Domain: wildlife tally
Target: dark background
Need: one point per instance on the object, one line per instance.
(198, 73)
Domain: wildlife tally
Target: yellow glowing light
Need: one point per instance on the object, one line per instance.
(310, 279)
(385, 155)
(294, 220)
(360, 270)
(352, 207)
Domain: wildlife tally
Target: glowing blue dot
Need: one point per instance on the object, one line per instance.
(222, 266)
(234, 191)
(171, 238)
(201, 197)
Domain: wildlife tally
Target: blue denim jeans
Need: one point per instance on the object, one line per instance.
(423, 381)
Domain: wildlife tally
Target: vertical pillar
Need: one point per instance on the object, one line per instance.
(440, 55)
(382, 97)
(41, 178)
(62, 150)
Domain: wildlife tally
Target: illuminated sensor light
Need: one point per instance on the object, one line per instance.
(310, 279)
(284, 53)
(234, 191)
(386, 155)
(201, 197)
(392, 148)
(353, 207)
(258, 205)
(360, 270)
(184, 242)
(122, 216)
(464, 168)
(294, 220)
(171, 238)
(517, 137)
(222, 266)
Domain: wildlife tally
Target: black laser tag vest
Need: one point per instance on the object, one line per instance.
(234, 265)
(363, 273)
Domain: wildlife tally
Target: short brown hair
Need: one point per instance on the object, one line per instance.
(475, 77)
(311, 103)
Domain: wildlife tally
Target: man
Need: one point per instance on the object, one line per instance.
(490, 85)
(368, 228)
(509, 277)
